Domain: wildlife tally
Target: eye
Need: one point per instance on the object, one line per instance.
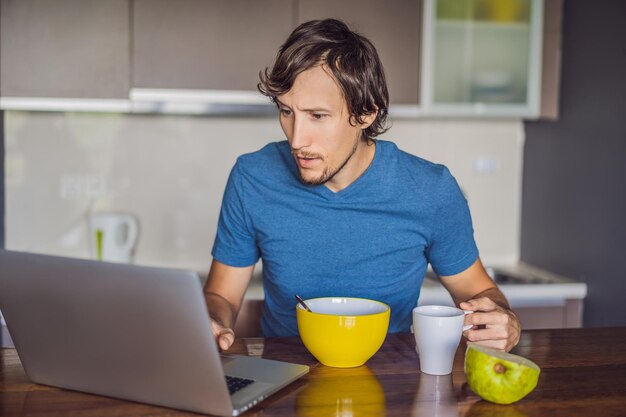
(319, 116)
(285, 112)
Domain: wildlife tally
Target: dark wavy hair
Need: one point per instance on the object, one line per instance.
(351, 59)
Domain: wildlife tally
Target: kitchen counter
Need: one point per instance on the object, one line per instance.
(532, 287)
(518, 295)
(583, 374)
(540, 298)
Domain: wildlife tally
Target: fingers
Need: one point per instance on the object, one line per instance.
(493, 337)
(488, 333)
(488, 318)
(496, 337)
(479, 304)
(493, 326)
(225, 336)
(485, 312)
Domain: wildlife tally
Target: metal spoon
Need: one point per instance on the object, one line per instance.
(303, 304)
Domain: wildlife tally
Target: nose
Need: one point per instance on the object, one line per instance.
(300, 137)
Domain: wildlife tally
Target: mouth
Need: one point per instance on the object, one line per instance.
(307, 161)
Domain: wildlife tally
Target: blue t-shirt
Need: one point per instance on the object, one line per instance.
(373, 239)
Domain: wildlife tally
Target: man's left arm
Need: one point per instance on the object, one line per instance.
(474, 290)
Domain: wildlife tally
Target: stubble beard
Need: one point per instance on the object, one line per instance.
(329, 172)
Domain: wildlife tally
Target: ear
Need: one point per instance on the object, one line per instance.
(368, 119)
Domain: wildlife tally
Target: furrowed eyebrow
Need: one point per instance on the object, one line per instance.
(311, 110)
(281, 104)
(317, 110)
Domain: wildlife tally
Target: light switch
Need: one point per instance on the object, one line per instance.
(73, 187)
(486, 164)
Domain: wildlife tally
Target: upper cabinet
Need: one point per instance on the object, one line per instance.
(206, 44)
(70, 49)
(482, 57)
(551, 59)
(204, 56)
(393, 27)
(441, 57)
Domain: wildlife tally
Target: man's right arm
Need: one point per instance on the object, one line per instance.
(224, 291)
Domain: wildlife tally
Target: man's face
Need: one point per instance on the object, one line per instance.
(315, 118)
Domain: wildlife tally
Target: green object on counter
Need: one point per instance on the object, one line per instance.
(99, 237)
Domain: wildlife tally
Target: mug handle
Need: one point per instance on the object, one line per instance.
(133, 231)
(469, 326)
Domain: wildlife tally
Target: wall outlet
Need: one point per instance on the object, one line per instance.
(486, 164)
(77, 186)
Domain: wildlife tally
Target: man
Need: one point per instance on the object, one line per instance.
(334, 212)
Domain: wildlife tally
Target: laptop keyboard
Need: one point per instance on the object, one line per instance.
(235, 384)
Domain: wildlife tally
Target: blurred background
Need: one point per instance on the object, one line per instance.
(121, 120)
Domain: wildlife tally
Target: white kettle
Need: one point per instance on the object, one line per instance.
(113, 236)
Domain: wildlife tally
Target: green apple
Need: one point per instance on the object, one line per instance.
(497, 376)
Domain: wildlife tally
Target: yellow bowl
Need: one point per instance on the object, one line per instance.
(343, 332)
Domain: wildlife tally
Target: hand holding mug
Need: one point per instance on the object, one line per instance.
(500, 326)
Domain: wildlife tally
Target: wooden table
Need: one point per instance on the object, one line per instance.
(583, 374)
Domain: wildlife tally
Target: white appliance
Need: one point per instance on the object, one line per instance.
(113, 236)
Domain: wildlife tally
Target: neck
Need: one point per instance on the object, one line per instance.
(355, 167)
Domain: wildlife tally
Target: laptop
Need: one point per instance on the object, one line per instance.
(125, 331)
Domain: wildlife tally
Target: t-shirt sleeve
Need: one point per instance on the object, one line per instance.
(235, 243)
(452, 248)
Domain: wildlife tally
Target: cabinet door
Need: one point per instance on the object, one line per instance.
(64, 48)
(393, 27)
(206, 44)
(551, 59)
(482, 57)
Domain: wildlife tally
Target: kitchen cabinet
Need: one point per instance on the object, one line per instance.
(65, 49)
(441, 57)
(551, 59)
(394, 29)
(482, 57)
(206, 44)
(569, 314)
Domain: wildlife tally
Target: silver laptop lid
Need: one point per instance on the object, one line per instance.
(117, 330)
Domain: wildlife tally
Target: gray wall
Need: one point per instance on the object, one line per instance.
(574, 184)
(2, 181)
(1, 191)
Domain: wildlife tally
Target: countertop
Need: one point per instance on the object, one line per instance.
(553, 291)
(583, 374)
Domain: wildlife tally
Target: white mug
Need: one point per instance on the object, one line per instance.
(437, 331)
(113, 236)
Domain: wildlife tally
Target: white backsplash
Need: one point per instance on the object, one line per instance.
(170, 171)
